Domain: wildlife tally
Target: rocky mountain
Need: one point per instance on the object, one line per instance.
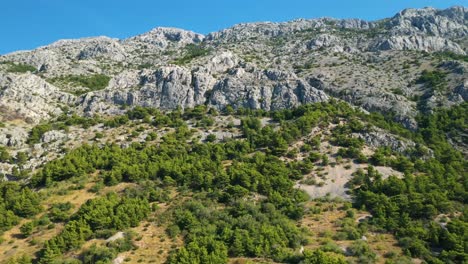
(349, 144)
(386, 66)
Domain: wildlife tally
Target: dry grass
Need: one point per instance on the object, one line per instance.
(15, 245)
(153, 244)
(323, 227)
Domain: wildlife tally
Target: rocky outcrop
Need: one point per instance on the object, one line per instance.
(163, 37)
(29, 97)
(380, 138)
(422, 43)
(102, 47)
(173, 86)
(257, 65)
(450, 22)
(52, 136)
(278, 90)
(333, 42)
(462, 92)
(13, 137)
(270, 29)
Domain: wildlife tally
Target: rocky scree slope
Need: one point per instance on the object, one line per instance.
(400, 66)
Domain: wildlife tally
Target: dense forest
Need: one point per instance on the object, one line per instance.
(240, 196)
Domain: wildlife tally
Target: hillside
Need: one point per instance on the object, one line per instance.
(309, 141)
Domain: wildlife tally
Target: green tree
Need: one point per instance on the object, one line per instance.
(27, 229)
(320, 257)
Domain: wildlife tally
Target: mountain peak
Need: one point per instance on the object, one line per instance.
(162, 36)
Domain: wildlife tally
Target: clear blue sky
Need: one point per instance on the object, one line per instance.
(26, 24)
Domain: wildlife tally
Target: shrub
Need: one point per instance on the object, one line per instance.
(211, 138)
(4, 155)
(361, 249)
(37, 132)
(20, 68)
(98, 254)
(27, 229)
(435, 79)
(93, 82)
(191, 52)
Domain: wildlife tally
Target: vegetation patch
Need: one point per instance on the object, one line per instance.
(93, 82)
(451, 55)
(236, 198)
(19, 67)
(435, 79)
(191, 52)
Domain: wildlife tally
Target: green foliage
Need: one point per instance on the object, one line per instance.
(361, 249)
(20, 260)
(117, 121)
(408, 206)
(60, 212)
(348, 228)
(294, 123)
(93, 82)
(108, 212)
(241, 229)
(99, 255)
(451, 55)
(65, 121)
(201, 250)
(5, 155)
(19, 67)
(210, 138)
(122, 244)
(435, 79)
(21, 158)
(198, 112)
(191, 52)
(27, 229)
(16, 202)
(435, 128)
(320, 257)
(37, 132)
(249, 208)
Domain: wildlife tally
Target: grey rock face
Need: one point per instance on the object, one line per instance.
(52, 136)
(462, 91)
(269, 29)
(381, 138)
(422, 43)
(163, 37)
(327, 41)
(102, 47)
(450, 22)
(13, 137)
(258, 65)
(171, 87)
(29, 97)
(279, 90)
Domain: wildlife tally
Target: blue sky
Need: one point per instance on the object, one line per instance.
(26, 24)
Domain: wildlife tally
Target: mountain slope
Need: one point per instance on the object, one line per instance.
(309, 141)
(375, 65)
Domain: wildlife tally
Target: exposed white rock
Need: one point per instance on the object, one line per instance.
(257, 65)
(13, 137)
(326, 41)
(30, 97)
(52, 136)
(448, 22)
(380, 138)
(422, 43)
(162, 37)
(222, 62)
